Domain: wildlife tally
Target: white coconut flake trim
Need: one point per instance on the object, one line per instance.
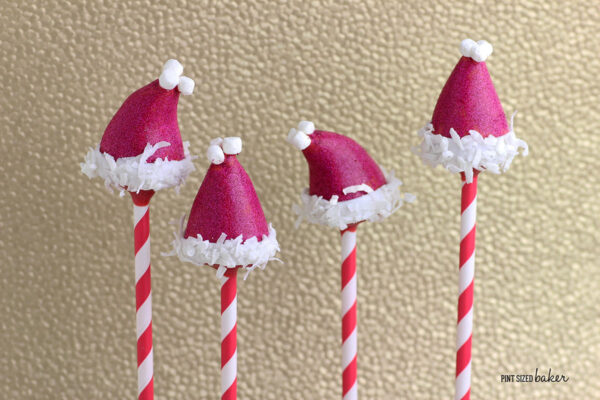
(374, 206)
(135, 173)
(363, 187)
(472, 151)
(227, 253)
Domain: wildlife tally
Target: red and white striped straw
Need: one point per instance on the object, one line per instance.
(465, 284)
(143, 294)
(229, 335)
(349, 331)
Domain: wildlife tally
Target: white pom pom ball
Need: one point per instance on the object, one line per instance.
(168, 79)
(306, 127)
(482, 51)
(300, 140)
(186, 85)
(215, 154)
(466, 46)
(175, 66)
(232, 145)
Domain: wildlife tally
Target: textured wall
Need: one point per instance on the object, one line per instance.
(369, 69)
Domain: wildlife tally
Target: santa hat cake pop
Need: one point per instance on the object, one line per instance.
(141, 148)
(346, 184)
(346, 187)
(468, 130)
(226, 225)
(468, 134)
(141, 151)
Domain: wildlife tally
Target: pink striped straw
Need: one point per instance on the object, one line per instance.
(143, 293)
(229, 335)
(349, 331)
(465, 282)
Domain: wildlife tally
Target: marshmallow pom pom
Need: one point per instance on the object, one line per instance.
(171, 78)
(168, 79)
(219, 147)
(215, 154)
(186, 85)
(373, 206)
(466, 47)
(482, 51)
(472, 151)
(173, 65)
(135, 173)
(298, 139)
(227, 253)
(478, 51)
(232, 145)
(306, 127)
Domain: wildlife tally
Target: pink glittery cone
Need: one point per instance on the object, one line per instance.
(148, 116)
(336, 162)
(226, 203)
(469, 102)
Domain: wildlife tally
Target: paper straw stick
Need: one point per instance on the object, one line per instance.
(465, 282)
(349, 338)
(143, 294)
(229, 335)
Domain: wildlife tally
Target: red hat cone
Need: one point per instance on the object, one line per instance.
(148, 116)
(226, 203)
(469, 101)
(336, 162)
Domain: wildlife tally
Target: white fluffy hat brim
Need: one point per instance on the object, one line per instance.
(250, 254)
(472, 151)
(374, 206)
(135, 173)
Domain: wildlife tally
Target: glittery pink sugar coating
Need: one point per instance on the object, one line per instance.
(469, 101)
(226, 203)
(336, 162)
(148, 116)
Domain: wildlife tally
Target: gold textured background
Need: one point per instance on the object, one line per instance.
(368, 69)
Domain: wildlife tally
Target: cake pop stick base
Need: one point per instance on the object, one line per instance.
(143, 293)
(229, 335)
(465, 282)
(349, 331)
